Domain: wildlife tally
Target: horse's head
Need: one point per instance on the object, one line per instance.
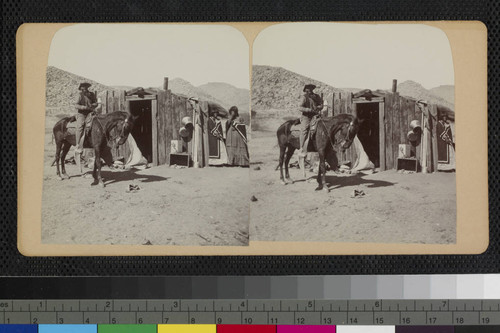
(348, 132)
(126, 127)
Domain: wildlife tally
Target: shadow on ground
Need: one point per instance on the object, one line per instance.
(355, 180)
(112, 177)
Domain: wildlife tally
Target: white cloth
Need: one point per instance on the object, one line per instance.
(362, 161)
(135, 157)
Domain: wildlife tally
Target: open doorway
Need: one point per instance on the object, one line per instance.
(142, 131)
(369, 134)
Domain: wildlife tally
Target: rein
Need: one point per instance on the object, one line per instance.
(113, 139)
(329, 136)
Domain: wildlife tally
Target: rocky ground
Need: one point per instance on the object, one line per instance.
(395, 207)
(173, 206)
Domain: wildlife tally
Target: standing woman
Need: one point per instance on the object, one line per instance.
(236, 140)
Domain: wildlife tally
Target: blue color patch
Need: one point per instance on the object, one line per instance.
(18, 328)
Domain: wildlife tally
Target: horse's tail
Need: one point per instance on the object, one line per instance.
(60, 126)
(285, 128)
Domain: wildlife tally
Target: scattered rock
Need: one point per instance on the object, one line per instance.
(357, 194)
(148, 243)
(257, 168)
(133, 188)
(253, 198)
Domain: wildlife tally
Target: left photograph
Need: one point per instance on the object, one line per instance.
(146, 136)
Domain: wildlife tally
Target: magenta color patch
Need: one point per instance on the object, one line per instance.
(306, 329)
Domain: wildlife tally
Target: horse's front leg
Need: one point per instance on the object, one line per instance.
(57, 159)
(322, 173)
(99, 165)
(289, 154)
(65, 148)
(96, 173)
(280, 165)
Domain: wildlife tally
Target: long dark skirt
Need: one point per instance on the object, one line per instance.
(237, 150)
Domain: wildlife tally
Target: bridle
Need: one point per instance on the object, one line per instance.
(346, 138)
(113, 139)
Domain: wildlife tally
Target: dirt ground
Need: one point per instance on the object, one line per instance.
(396, 208)
(207, 206)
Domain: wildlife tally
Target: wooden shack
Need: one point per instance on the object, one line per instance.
(161, 112)
(385, 119)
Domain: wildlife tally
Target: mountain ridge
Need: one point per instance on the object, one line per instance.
(62, 90)
(287, 88)
(279, 88)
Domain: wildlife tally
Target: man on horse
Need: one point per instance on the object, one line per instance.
(310, 106)
(85, 105)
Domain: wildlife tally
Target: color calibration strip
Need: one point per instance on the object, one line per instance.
(348, 287)
(254, 312)
(241, 329)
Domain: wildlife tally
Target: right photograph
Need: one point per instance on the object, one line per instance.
(353, 134)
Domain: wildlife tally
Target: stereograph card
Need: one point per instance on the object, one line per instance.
(193, 138)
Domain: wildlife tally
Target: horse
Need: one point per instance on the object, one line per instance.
(99, 138)
(332, 134)
(64, 140)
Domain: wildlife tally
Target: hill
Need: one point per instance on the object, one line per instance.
(446, 92)
(228, 94)
(182, 87)
(223, 93)
(279, 88)
(417, 91)
(62, 89)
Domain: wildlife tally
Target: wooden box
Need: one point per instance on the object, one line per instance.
(410, 164)
(183, 159)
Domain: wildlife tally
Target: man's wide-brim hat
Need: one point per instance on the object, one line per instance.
(84, 85)
(309, 86)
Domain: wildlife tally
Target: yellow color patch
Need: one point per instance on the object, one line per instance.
(189, 328)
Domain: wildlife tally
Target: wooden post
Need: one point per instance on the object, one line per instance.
(433, 122)
(389, 157)
(199, 136)
(394, 85)
(333, 104)
(161, 127)
(154, 130)
(196, 135)
(423, 158)
(169, 128)
(204, 109)
(165, 83)
(396, 128)
(381, 124)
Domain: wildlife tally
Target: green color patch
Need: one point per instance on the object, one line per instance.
(126, 329)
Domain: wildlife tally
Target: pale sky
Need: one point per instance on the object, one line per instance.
(143, 54)
(347, 55)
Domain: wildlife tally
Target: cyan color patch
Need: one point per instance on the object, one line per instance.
(67, 328)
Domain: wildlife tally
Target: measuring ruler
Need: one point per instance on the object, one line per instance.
(252, 312)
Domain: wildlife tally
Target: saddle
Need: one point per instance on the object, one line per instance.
(71, 130)
(295, 132)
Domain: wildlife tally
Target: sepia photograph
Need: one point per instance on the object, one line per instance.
(146, 136)
(353, 134)
(252, 138)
